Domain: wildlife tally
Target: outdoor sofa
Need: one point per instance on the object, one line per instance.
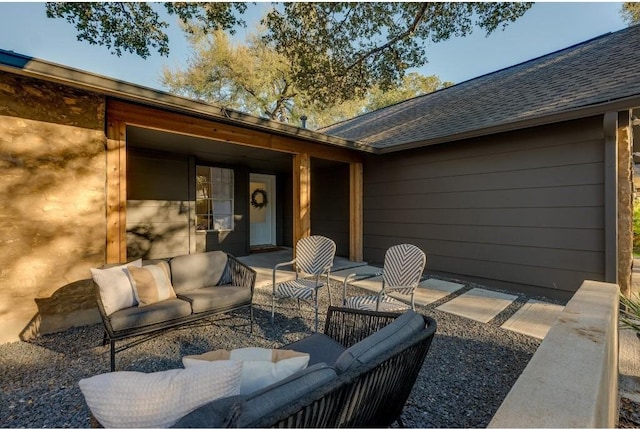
(360, 374)
(205, 284)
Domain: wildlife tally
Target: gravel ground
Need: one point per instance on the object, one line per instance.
(468, 371)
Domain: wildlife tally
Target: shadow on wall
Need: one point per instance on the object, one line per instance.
(71, 305)
(157, 229)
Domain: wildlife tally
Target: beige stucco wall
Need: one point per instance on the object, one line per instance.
(52, 205)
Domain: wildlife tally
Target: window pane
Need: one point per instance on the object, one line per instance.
(203, 207)
(203, 223)
(222, 222)
(222, 207)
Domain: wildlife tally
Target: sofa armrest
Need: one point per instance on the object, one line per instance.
(106, 321)
(348, 326)
(239, 274)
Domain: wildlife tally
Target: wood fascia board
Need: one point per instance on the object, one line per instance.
(163, 120)
(599, 109)
(14, 63)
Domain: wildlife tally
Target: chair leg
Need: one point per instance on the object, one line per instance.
(315, 304)
(105, 338)
(112, 355)
(273, 307)
(251, 317)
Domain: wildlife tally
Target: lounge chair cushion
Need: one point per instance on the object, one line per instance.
(260, 403)
(219, 297)
(136, 317)
(157, 399)
(198, 270)
(115, 287)
(397, 332)
(320, 347)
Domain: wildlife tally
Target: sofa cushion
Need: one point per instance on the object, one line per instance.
(157, 399)
(262, 402)
(151, 283)
(397, 332)
(260, 367)
(198, 270)
(219, 297)
(215, 414)
(320, 347)
(115, 287)
(273, 397)
(135, 317)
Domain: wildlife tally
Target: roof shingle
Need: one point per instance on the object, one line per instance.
(600, 70)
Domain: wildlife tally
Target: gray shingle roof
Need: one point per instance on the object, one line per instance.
(598, 71)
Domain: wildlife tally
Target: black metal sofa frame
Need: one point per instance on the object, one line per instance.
(237, 274)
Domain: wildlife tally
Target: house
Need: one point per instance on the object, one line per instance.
(519, 179)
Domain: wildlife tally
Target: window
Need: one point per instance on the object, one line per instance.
(214, 199)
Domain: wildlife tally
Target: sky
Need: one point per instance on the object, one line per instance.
(545, 28)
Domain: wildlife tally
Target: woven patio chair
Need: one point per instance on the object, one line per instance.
(313, 261)
(401, 273)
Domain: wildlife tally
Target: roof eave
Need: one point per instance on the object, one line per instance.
(40, 69)
(567, 115)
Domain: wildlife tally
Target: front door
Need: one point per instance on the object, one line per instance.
(262, 210)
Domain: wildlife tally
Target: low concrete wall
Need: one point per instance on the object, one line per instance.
(572, 379)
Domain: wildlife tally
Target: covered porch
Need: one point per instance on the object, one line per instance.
(154, 160)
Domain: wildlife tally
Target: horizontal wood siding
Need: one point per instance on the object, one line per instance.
(157, 205)
(159, 201)
(525, 207)
(330, 204)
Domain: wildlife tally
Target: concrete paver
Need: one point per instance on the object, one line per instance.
(478, 304)
(432, 290)
(534, 318)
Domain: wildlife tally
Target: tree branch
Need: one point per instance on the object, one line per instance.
(414, 25)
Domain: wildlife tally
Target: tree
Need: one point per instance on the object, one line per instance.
(255, 79)
(337, 51)
(251, 78)
(630, 12)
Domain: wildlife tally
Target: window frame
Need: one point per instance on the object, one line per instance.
(212, 195)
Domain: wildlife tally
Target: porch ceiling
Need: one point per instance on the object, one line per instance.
(209, 150)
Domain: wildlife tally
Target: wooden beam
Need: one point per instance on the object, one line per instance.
(625, 202)
(355, 212)
(157, 119)
(116, 190)
(610, 128)
(301, 197)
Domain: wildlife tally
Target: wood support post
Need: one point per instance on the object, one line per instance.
(355, 212)
(116, 190)
(625, 201)
(301, 196)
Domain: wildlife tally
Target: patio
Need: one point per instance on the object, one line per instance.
(470, 368)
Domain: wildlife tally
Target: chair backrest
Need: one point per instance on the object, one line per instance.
(314, 254)
(403, 266)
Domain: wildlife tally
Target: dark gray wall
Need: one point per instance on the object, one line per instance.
(159, 199)
(521, 210)
(330, 202)
(157, 204)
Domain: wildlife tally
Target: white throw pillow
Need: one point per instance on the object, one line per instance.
(158, 399)
(260, 367)
(115, 287)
